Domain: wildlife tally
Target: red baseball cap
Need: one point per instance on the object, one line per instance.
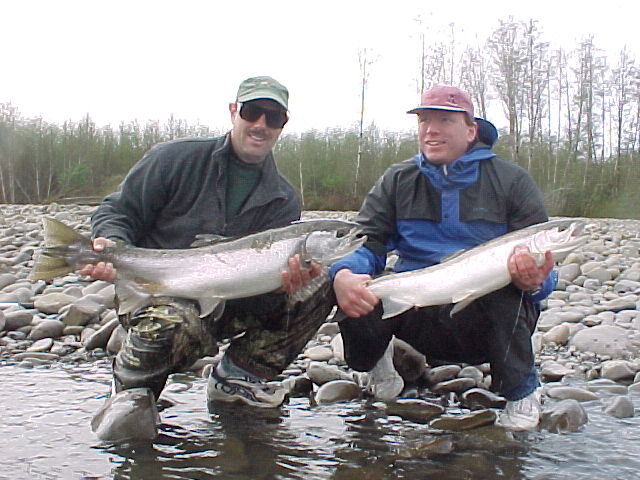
(445, 97)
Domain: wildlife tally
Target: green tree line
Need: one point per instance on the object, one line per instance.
(573, 121)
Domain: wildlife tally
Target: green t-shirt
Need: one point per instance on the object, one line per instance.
(241, 180)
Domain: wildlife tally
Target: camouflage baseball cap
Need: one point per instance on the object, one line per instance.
(263, 87)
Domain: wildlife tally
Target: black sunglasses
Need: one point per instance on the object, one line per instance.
(274, 118)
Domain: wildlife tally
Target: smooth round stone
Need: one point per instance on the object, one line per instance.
(564, 416)
(440, 374)
(620, 407)
(414, 409)
(337, 391)
(575, 393)
(319, 353)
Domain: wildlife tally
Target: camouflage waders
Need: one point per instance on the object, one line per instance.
(267, 332)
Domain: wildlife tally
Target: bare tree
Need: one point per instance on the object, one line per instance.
(365, 61)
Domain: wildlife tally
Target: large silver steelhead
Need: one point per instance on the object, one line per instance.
(477, 271)
(211, 274)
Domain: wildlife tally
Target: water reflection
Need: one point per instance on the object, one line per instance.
(46, 435)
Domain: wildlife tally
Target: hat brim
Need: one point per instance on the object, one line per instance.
(437, 107)
(266, 94)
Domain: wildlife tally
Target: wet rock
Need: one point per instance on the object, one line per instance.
(298, 385)
(408, 362)
(478, 398)
(464, 421)
(321, 373)
(414, 409)
(442, 373)
(457, 385)
(427, 448)
(319, 353)
(127, 417)
(337, 391)
(575, 393)
(564, 416)
(605, 385)
(620, 407)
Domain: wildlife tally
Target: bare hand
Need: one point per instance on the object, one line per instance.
(297, 277)
(351, 293)
(101, 270)
(525, 273)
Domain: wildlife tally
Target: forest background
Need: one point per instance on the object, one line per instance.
(573, 122)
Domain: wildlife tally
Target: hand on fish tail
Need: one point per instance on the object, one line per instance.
(64, 251)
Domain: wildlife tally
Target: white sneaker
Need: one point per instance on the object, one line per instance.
(244, 390)
(523, 414)
(384, 382)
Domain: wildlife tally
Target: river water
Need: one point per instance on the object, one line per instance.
(45, 434)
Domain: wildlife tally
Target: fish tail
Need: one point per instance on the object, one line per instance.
(56, 257)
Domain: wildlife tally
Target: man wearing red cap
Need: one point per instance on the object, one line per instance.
(454, 194)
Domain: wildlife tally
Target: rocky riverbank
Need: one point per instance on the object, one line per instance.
(587, 343)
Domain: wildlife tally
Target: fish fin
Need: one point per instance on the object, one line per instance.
(211, 304)
(452, 255)
(394, 307)
(52, 260)
(461, 305)
(208, 239)
(130, 298)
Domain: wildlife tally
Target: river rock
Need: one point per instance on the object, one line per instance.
(480, 398)
(116, 339)
(319, 353)
(52, 302)
(42, 345)
(465, 421)
(321, 373)
(100, 337)
(414, 409)
(46, 329)
(337, 391)
(603, 340)
(409, 363)
(442, 373)
(620, 407)
(617, 370)
(567, 392)
(606, 385)
(457, 385)
(564, 416)
(18, 318)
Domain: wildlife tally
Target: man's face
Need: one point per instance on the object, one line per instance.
(251, 137)
(444, 135)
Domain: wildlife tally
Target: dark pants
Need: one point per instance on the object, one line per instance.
(496, 328)
(266, 334)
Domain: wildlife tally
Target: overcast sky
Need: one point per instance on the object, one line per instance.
(138, 59)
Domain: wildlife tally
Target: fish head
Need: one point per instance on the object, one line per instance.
(326, 247)
(560, 240)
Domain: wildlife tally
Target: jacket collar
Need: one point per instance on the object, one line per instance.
(269, 186)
